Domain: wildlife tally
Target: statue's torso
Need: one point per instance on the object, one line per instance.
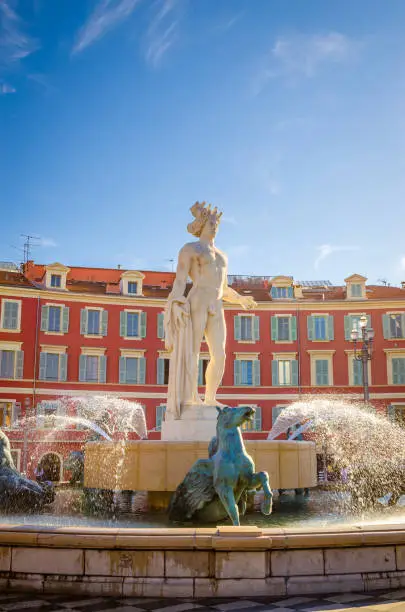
(208, 269)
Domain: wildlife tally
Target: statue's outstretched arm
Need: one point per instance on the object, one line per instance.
(233, 297)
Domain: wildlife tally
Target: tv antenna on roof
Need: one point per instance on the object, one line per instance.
(28, 245)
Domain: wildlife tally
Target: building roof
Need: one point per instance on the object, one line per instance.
(158, 284)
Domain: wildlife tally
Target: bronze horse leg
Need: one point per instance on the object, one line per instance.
(226, 495)
(260, 480)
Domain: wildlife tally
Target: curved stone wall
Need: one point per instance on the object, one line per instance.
(220, 562)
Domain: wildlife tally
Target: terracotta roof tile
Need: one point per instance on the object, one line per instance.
(14, 279)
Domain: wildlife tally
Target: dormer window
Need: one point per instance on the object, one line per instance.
(355, 287)
(56, 280)
(131, 283)
(55, 276)
(282, 288)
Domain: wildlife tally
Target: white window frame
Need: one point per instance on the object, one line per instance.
(284, 315)
(6, 329)
(139, 313)
(355, 279)
(101, 310)
(15, 347)
(93, 351)
(61, 271)
(14, 405)
(350, 360)
(61, 307)
(390, 355)
(325, 316)
(247, 357)
(136, 277)
(325, 355)
(55, 350)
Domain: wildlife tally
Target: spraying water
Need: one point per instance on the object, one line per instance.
(357, 439)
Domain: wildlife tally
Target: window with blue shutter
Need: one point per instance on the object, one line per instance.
(104, 322)
(256, 372)
(246, 372)
(132, 287)
(93, 322)
(143, 325)
(246, 328)
(283, 329)
(7, 364)
(133, 370)
(65, 319)
(356, 290)
(92, 368)
(162, 371)
(237, 372)
(83, 321)
(56, 280)
(397, 325)
(54, 318)
(398, 370)
(160, 416)
(353, 322)
(320, 327)
(63, 367)
(278, 293)
(19, 364)
(160, 325)
(275, 413)
(357, 372)
(10, 314)
(102, 376)
(321, 372)
(132, 324)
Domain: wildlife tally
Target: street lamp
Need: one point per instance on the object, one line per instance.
(364, 352)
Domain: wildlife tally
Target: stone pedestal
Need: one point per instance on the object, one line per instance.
(197, 424)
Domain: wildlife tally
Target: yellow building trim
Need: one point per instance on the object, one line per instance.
(6, 345)
(93, 350)
(284, 356)
(53, 348)
(392, 354)
(132, 353)
(247, 356)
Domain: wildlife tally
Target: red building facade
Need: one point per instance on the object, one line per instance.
(69, 332)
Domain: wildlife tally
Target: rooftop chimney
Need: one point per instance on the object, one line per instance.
(402, 284)
(119, 266)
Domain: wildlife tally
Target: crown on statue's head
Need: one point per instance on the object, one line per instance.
(202, 212)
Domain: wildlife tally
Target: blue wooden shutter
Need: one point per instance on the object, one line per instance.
(141, 371)
(348, 327)
(357, 372)
(391, 412)
(143, 325)
(322, 378)
(256, 373)
(257, 423)
(104, 322)
(395, 371)
(293, 328)
(256, 328)
(42, 366)
(160, 325)
(310, 327)
(102, 369)
(200, 372)
(274, 373)
(82, 368)
(275, 413)
(237, 326)
(290, 293)
(63, 367)
(401, 371)
(403, 325)
(386, 327)
(83, 321)
(294, 372)
(65, 319)
(19, 366)
(160, 374)
(160, 414)
(123, 323)
(330, 328)
(274, 292)
(274, 328)
(237, 372)
(44, 318)
(123, 370)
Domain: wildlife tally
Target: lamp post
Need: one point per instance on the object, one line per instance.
(363, 352)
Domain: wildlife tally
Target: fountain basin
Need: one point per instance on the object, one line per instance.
(215, 562)
(159, 466)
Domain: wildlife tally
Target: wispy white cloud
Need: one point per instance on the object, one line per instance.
(106, 15)
(227, 25)
(325, 250)
(402, 263)
(42, 81)
(163, 30)
(47, 242)
(5, 89)
(15, 44)
(296, 57)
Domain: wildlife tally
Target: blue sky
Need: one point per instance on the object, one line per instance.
(117, 115)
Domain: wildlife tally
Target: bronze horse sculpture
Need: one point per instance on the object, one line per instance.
(218, 486)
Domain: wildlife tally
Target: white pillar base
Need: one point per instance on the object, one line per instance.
(197, 424)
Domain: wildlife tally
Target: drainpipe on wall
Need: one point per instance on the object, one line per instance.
(299, 351)
(34, 389)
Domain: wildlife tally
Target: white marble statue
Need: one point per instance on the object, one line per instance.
(187, 319)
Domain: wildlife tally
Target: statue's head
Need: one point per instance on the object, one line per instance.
(206, 220)
(229, 418)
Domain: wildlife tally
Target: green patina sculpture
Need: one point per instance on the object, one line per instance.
(218, 486)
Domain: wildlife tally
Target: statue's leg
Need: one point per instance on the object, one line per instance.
(260, 480)
(199, 321)
(227, 497)
(216, 338)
